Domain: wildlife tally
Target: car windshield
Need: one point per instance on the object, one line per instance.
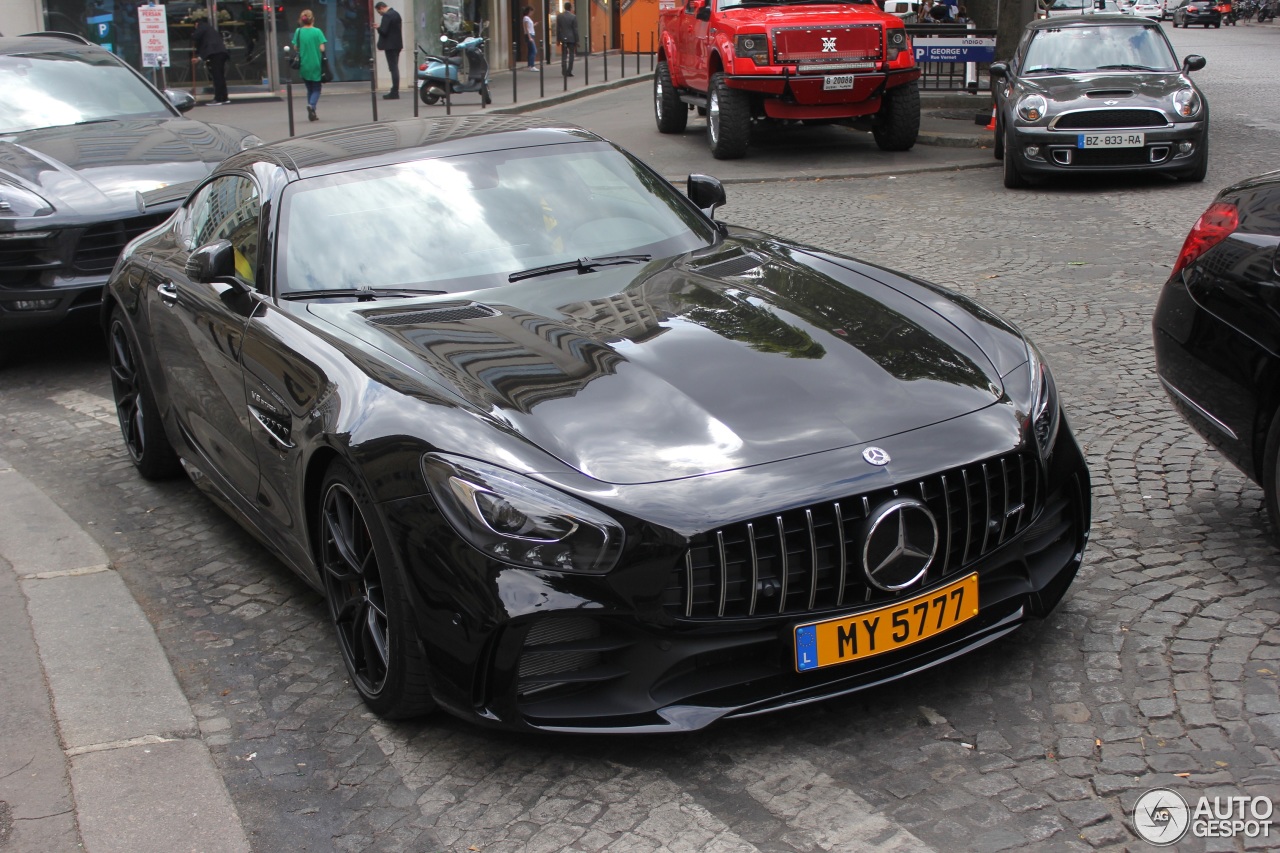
(1069, 49)
(472, 221)
(61, 88)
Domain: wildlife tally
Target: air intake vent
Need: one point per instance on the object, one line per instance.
(729, 267)
(1103, 94)
(443, 314)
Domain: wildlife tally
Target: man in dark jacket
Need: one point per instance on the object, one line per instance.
(390, 42)
(567, 36)
(213, 50)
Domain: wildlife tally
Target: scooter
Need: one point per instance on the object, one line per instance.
(462, 68)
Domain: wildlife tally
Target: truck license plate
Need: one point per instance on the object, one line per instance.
(1111, 140)
(837, 81)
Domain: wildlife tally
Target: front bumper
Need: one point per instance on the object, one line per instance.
(1060, 153)
(541, 651)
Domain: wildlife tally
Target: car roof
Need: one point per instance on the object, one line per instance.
(1088, 21)
(362, 146)
(41, 42)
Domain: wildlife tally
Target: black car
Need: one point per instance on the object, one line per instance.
(1217, 336)
(89, 154)
(1101, 94)
(564, 453)
(1196, 12)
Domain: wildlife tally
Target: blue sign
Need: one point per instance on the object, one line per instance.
(955, 49)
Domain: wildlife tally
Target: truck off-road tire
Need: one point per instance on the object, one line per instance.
(669, 111)
(897, 124)
(728, 120)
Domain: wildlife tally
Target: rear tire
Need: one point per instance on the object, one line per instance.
(728, 120)
(897, 125)
(668, 110)
(368, 604)
(1013, 178)
(427, 97)
(140, 424)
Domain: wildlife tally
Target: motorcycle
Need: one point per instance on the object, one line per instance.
(462, 67)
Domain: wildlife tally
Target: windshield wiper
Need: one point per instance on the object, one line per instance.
(581, 265)
(1046, 69)
(363, 294)
(1123, 67)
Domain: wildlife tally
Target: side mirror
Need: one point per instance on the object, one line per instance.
(182, 101)
(215, 262)
(706, 192)
(997, 69)
(1194, 62)
(704, 12)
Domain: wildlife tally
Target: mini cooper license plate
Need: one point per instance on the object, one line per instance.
(1111, 140)
(837, 81)
(886, 629)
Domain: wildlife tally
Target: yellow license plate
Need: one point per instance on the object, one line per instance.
(885, 629)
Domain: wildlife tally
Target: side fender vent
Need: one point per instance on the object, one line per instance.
(729, 267)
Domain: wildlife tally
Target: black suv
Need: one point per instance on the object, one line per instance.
(92, 156)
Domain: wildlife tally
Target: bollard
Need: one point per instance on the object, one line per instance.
(586, 65)
(604, 57)
(637, 53)
(373, 86)
(652, 54)
(288, 96)
(622, 56)
(542, 80)
(515, 67)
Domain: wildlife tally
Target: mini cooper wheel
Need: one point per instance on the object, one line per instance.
(668, 110)
(367, 602)
(144, 435)
(728, 120)
(1013, 178)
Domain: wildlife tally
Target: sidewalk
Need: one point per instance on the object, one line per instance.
(108, 757)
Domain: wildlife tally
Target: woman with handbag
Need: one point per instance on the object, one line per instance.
(308, 44)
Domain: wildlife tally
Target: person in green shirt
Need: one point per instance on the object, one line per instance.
(309, 42)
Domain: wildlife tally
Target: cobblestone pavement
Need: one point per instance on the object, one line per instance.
(1160, 668)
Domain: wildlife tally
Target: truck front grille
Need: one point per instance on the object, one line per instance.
(828, 45)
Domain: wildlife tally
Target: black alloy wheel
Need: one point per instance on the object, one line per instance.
(365, 601)
(140, 425)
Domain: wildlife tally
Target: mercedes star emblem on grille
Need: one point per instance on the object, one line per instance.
(875, 456)
(902, 538)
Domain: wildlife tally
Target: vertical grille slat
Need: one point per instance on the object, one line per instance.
(804, 555)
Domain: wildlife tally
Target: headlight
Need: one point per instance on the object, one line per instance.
(1032, 107)
(1186, 102)
(250, 141)
(753, 46)
(517, 520)
(896, 42)
(1045, 411)
(16, 201)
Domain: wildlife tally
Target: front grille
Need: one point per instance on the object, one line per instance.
(855, 43)
(807, 560)
(1109, 119)
(21, 254)
(100, 245)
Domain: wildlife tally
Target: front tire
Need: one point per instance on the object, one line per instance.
(368, 604)
(1013, 178)
(668, 110)
(728, 120)
(1198, 174)
(897, 125)
(140, 425)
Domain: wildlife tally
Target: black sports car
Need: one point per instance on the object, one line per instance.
(1098, 93)
(565, 453)
(1217, 336)
(88, 154)
(1201, 12)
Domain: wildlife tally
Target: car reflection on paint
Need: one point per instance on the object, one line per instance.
(587, 459)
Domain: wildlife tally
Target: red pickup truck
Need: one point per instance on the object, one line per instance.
(821, 61)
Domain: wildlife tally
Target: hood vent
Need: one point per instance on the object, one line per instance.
(1102, 94)
(729, 267)
(451, 313)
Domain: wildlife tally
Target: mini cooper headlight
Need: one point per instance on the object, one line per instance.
(896, 42)
(753, 46)
(1186, 103)
(1032, 107)
(18, 202)
(517, 520)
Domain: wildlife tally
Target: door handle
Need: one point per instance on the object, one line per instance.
(168, 293)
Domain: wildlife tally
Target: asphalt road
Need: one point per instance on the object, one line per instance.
(1158, 669)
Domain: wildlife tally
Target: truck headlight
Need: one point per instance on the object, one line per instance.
(895, 43)
(517, 520)
(753, 46)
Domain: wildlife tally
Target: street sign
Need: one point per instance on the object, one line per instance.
(153, 30)
(955, 49)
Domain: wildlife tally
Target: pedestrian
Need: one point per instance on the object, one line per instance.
(212, 49)
(962, 15)
(390, 42)
(567, 36)
(940, 13)
(530, 38)
(309, 42)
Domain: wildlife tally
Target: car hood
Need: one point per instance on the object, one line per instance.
(794, 16)
(96, 169)
(1095, 89)
(687, 367)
